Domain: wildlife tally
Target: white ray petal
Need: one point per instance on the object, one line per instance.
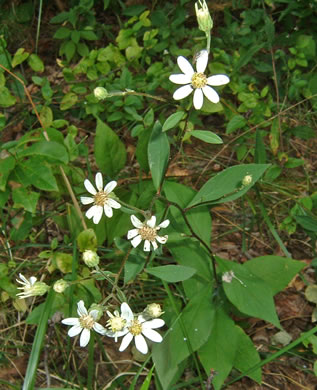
(182, 92)
(162, 239)
(99, 328)
(125, 342)
(202, 61)
(211, 94)
(89, 187)
(151, 222)
(140, 344)
(136, 241)
(86, 200)
(81, 309)
(164, 224)
(70, 321)
(110, 186)
(108, 210)
(74, 330)
(126, 312)
(84, 337)
(92, 211)
(99, 181)
(185, 66)
(152, 335)
(219, 79)
(153, 324)
(136, 222)
(147, 246)
(155, 246)
(113, 203)
(198, 99)
(98, 215)
(23, 278)
(180, 78)
(132, 233)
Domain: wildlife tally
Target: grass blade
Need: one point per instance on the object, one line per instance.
(37, 344)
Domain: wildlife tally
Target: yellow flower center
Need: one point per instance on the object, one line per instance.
(116, 323)
(135, 328)
(101, 198)
(199, 80)
(147, 233)
(86, 321)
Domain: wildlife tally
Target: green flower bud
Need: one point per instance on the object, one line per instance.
(98, 308)
(60, 286)
(101, 93)
(204, 20)
(90, 258)
(247, 180)
(153, 310)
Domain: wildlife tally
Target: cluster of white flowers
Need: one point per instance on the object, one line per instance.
(125, 324)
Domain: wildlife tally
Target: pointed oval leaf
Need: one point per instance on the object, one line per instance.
(172, 273)
(206, 136)
(173, 120)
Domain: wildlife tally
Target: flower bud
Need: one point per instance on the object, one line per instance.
(98, 308)
(204, 20)
(153, 310)
(90, 258)
(101, 93)
(247, 180)
(60, 286)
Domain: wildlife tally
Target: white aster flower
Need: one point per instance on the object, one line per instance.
(197, 81)
(31, 287)
(118, 322)
(137, 329)
(147, 231)
(84, 324)
(103, 199)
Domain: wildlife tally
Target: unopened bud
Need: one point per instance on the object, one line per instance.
(99, 310)
(204, 20)
(60, 286)
(101, 93)
(247, 180)
(153, 310)
(90, 258)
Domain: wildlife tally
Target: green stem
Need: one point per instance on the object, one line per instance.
(91, 350)
(208, 41)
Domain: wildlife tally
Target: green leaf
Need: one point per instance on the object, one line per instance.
(173, 120)
(248, 293)
(172, 273)
(36, 63)
(219, 352)
(247, 356)
(25, 198)
(62, 33)
(235, 123)
(206, 136)
(141, 151)
(133, 266)
(307, 222)
(149, 118)
(68, 101)
(276, 271)
(260, 153)
(6, 166)
(6, 99)
(19, 57)
(87, 240)
(37, 173)
(246, 57)
(69, 49)
(29, 379)
(109, 150)
(147, 380)
(48, 149)
(158, 154)
(227, 185)
(46, 116)
(89, 35)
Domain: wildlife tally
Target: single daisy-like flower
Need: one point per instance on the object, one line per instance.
(84, 324)
(118, 322)
(197, 81)
(31, 287)
(103, 199)
(147, 231)
(137, 328)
